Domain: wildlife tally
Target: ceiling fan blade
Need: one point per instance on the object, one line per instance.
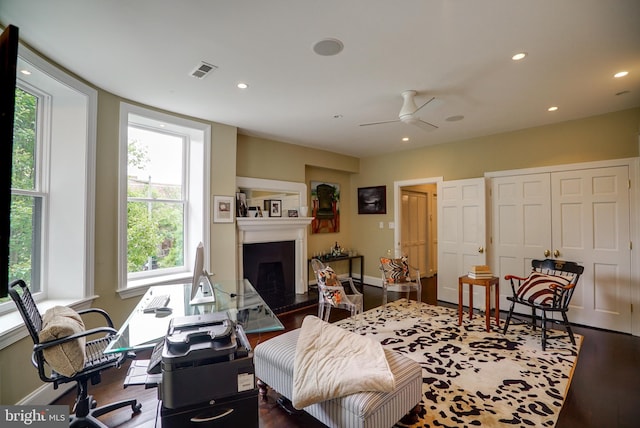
(418, 109)
(379, 123)
(424, 125)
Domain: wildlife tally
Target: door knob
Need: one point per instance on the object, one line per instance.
(556, 253)
(480, 250)
(547, 253)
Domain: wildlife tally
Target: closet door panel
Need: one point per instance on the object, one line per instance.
(520, 225)
(591, 225)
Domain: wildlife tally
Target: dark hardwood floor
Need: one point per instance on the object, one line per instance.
(604, 392)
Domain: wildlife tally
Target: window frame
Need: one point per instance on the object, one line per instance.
(66, 268)
(196, 179)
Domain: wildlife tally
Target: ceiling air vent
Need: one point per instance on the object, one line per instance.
(202, 70)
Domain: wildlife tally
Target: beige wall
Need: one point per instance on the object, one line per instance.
(609, 136)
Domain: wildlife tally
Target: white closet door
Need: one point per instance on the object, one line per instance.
(520, 227)
(461, 235)
(591, 226)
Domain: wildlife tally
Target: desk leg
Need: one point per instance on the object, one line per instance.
(362, 273)
(460, 286)
(487, 302)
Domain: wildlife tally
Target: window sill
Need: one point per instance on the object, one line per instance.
(12, 327)
(140, 286)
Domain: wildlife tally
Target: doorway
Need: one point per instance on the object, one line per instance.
(416, 228)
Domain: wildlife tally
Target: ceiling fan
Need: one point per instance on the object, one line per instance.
(408, 113)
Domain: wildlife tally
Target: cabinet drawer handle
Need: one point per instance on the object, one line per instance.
(212, 418)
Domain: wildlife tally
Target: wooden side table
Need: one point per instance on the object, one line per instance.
(486, 283)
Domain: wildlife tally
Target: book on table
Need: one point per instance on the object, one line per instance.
(480, 272)
(474, 275)
(480, 269)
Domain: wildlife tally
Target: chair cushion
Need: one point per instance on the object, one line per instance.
(328, 278)
(536, 289)
(397, 270)
(67, 358)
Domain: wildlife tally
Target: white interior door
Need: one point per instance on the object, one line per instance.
(591, 226)
(414, 229)
(520, 225)
(461, 234)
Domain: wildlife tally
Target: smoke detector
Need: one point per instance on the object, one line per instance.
(202, 70)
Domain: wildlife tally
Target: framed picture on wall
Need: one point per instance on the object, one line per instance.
(372, 200)
(223, 209)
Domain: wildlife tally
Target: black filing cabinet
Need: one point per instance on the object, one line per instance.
(239, 410)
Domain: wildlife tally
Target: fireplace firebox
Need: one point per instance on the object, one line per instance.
(270, 267)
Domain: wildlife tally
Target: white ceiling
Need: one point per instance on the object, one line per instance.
(456, 50)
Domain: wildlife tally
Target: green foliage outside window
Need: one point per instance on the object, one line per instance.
(155, 232)
(23, 177)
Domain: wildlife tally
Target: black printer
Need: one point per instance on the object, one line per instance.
(207, 365)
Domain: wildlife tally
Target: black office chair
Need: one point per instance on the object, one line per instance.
(86, 412)
(548, 288)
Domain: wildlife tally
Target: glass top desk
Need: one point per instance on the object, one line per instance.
(143, 330)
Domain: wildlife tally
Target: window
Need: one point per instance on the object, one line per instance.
(52, 220)
(164, 179)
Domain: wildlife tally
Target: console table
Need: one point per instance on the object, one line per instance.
(330, 259)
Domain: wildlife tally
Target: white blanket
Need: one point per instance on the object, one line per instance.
(331, 362)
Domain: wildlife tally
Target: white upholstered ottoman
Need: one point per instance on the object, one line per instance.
(274, 362)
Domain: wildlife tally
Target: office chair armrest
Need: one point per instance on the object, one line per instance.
(97, 311)
(50, 343)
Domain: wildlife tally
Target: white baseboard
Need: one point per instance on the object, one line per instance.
(46, 394)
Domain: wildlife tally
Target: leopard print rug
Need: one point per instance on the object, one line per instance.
(472, 377)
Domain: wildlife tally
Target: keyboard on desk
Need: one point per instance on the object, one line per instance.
(159, 301)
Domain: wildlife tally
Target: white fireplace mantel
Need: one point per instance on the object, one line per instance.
(269, 229)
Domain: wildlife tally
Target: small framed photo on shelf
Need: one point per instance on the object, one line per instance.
(241, 204)
(223, 209)
(255, 211)
(292, 213)
(275, 208)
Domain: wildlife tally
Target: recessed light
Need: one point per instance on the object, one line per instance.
(25, 72)
(519, 56)
(405, 138)
(620, 74)
(553, 108)
(328, 47)
(337, 116)
(242, 85)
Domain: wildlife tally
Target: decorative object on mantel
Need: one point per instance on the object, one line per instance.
(325, 200)
(241, 204)
(254, 212)
(273, 207)
(304, 211)
(372, 200)
(292, 213)
(223, 209)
